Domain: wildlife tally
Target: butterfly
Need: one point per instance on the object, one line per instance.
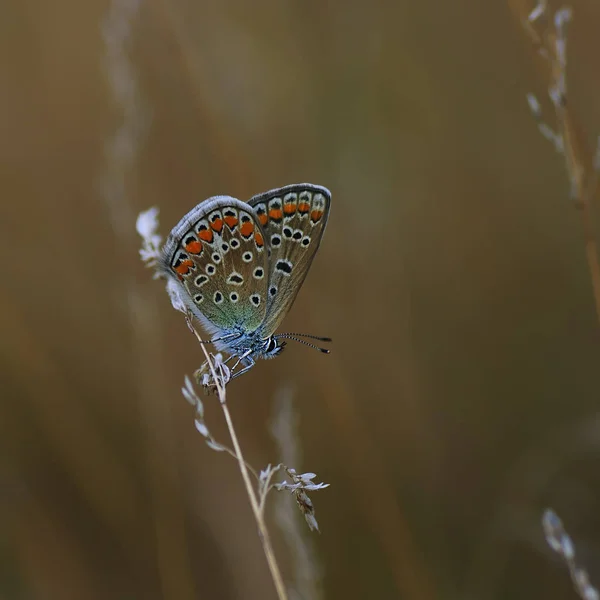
(239, 265)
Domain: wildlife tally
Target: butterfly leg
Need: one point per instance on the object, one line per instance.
(241, 358)
(247, 361)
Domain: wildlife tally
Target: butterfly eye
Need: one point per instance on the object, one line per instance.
(275, 239)
(234, 297)
(234, 243)
(272, 291)
(218, 297)
(247, 257)
(259, 273)
(255, 299)
(210, 269)
(198, 298)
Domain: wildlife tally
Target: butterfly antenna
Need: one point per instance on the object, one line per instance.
(312, 337)
(289, 336)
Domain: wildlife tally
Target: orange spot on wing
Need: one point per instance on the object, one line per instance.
(258, 238)
(315, 215)
(194, 247)
(263, 219)
(276, 213)
(289, 209)
(247, 228)
(206, 235)
(231, 222)
(303, 207)
(217, 225)
(184, 267)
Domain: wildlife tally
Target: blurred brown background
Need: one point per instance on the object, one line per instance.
(461, 398)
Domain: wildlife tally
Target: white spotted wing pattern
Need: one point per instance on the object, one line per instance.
(217, 254)
(293, 219)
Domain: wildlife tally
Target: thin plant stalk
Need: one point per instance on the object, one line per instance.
(582, 171)
(256, 509)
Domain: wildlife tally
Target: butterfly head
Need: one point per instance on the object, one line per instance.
(252, 344)
(273, 347)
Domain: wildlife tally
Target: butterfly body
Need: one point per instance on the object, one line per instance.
(238, 266)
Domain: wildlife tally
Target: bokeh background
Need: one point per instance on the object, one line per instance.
(461, 398)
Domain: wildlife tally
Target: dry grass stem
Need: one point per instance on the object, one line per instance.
(254, 503)
(548, 34)
(547, 31)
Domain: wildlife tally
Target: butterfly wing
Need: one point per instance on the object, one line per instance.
(293, 219)
(217, 255)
